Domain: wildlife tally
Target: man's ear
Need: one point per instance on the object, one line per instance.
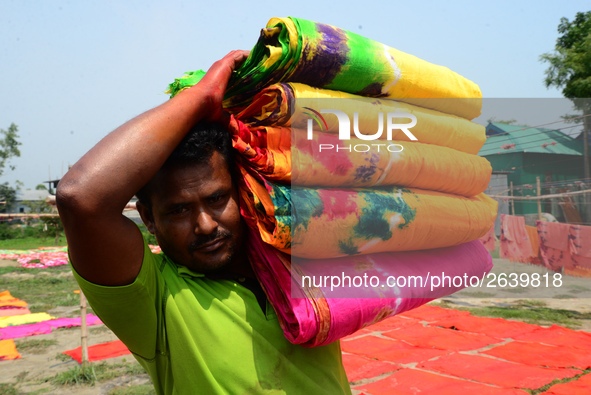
(146, 215)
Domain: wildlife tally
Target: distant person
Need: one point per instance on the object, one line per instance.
(194, 317)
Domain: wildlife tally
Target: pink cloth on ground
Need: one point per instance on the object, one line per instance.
(316, 315)
(554, 245)
(9, 311)
(15, 332)
(515, 242)
(91, 319)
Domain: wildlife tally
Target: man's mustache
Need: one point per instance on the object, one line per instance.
(201, 240)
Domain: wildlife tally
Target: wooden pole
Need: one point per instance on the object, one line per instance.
(512, 201)
(83, 330)
(539, 200)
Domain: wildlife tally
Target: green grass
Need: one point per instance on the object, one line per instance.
(43, 289)
(529, 311)
(29, 243)
(35, 346)
(92, 373)
(9, 389)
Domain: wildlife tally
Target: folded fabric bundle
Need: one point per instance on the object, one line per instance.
(314, 314)
(288, 104)
(333, 222)
(320, 55)
(299, 161)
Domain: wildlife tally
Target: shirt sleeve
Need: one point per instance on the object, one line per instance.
(133, 312)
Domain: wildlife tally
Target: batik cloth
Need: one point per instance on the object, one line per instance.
(514, 241)
(324, 56)
(286, 155)
(288, 104)
(333, 222)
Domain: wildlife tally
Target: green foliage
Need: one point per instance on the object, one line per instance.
(570, 64)
(149, 237)
(8, 146)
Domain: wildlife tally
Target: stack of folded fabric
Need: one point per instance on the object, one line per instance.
(317, 208)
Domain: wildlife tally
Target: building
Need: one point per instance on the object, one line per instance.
(525, 153)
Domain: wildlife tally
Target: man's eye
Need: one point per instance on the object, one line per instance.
(178, 210)
(216, 198)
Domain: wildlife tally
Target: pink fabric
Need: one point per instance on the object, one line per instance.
(554, 245)
(9, 311)
(91, 319)
(515, 242)
(14, 332)
(488, 240)
(42, 328)
(316, 315)
(580, 240)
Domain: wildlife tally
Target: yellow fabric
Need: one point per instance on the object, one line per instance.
(24, 319)
(273, 105)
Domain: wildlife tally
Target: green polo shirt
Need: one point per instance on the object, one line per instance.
(196, 335)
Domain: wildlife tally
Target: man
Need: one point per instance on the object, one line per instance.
(195, 317)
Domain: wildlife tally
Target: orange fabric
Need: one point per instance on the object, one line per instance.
(8, 350)
(100, 351)
(496, 372)
(6, 299)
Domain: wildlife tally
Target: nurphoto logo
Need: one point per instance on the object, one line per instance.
(344, 129)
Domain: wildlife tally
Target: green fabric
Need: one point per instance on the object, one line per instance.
(325, 56)
(195, 335)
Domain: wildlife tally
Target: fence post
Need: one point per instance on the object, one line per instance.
(539, 200)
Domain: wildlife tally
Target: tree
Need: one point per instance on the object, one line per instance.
(8, 149)
(570, 69)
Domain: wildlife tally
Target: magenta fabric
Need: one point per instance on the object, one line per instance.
(14, 332)
(91, 319)
(316, 315)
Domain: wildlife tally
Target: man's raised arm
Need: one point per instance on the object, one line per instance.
(106, 247)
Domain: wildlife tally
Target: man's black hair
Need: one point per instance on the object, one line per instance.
(197, 147)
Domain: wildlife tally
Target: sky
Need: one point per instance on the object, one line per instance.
(72, 71)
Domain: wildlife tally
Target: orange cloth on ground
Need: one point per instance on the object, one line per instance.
(8, 350)
(101, 351)
(6, 299)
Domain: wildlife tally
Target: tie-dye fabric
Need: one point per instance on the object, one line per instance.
(324, 56)
(271, 152)
(311, 314)
(332, 222)
(287, 104)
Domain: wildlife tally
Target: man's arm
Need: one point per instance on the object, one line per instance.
(106, 247)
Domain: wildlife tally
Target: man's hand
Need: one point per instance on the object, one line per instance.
(215, 81)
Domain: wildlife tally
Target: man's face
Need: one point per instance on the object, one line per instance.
(195, 215)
